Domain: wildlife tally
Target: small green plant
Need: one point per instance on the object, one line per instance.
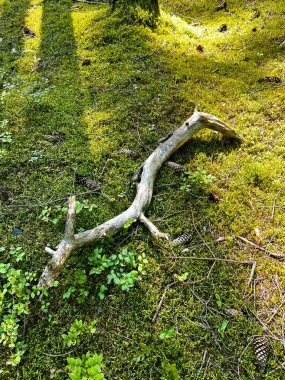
(122, 269)
(222, 328)
(3, 73)
(183, 277)
(16, 294)
(36, 156)
(102, 290)
(88, 367)
(129, 223)
(77, 330)
(218, 300)
(167, 334)
(4, 123)
(53, 214)
(6, 137)
(198, 177)
(257, 174)
(17, 252)
(79, 288)
(169, 371)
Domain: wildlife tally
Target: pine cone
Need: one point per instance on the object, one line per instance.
(129, 153)
(176, 167)
(261, 346)
(185, 238)
(269, 80)
(83, 180)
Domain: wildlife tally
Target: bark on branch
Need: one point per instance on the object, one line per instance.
(150, 168)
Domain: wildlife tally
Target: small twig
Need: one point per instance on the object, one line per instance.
(161, 300)
(241, 355)
(275, 313)
(273, 335)
(276, 280)
(90, 2)
(274, 203)
(51, 201)
(200, 236)
(215, 259)
(70, 223)
(191, 247)
(66, 353)
(152, 228)
(96, 133)
(49, 250)
(169, 215)
(206, 367)
(56, 355)
(203, 361)
(264, 88)
(272, 254)
(248, 262)
(252, 273)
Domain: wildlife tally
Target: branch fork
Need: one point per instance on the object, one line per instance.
(137, 209)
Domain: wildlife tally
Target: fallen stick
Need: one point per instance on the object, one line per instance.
(211, 259)
(215, 259)
(269, 253)
(90, 2)
(161, 300)
(252, 273)
(145, 184)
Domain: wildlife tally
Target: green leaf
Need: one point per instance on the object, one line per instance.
(102, 291)
(223, 328)
(129, 223)
(4, 268)
(218, 300)
(182, 277)
(167, 334)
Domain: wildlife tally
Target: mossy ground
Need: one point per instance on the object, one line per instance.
(140, 84)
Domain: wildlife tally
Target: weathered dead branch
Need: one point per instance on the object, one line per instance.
(279, 256)
(145, 184)
(64, 249)
(216, 259)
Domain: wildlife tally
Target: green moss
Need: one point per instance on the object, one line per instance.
(141, 82)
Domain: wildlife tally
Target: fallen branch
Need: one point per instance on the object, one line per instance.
(64, 249)
(252, 273)
(269, 253)
(145, 184)
(211, 259)
(154, 319)
(215, 259)
(90, 2)
(274, 202)
(161, 300)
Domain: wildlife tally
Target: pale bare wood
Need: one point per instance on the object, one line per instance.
(150, 168)
(213, 259)
(152, 228)
(269, 253)
(59, 257)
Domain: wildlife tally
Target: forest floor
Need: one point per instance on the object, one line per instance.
(79, 83)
